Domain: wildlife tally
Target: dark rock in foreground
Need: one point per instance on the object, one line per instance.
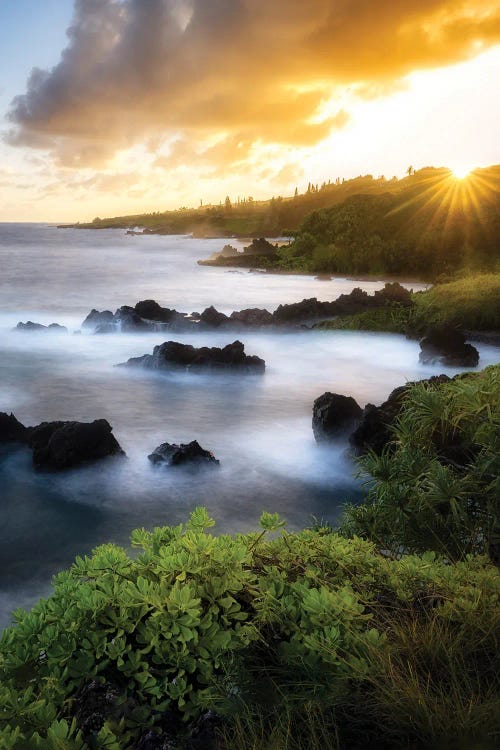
(170, 454)
(334, 415)
(62, 445)
(30, 326)
(375, 429)
(447, 346)
(11, 430)
(172, 354)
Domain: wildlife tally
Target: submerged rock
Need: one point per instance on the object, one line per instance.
(172, 354)
(30, 326)
(447, 346)
(333, 415)
(170, 454)
(62, 445)
(11, 430)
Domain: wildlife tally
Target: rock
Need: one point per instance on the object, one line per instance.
(170, 454)
(128, 321)
(357, 301)
(213, 318)
(151, 310)
(394, 292)
(172, 354)
(374, 431)
(333, 415)
(30, 326)
(62, 445)
(228, 251)
(260, 247)
(306, 310)
(253, 316)
(323, 277)
(11, 430)
(96, 318)
(447, 346)
(94, 704)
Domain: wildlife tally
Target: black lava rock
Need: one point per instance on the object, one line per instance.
(170, 454)
(334, 415)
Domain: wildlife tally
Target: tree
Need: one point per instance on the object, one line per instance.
(228, 205)
(410, 171)
(296, 194)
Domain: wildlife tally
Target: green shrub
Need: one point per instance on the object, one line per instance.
(437, 486)
(296, 640)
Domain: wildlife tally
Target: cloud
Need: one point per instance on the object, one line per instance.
(223, 75)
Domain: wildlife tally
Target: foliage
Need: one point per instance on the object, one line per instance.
(471, 303)
(301, 639)
(437, 486)
(429, 226)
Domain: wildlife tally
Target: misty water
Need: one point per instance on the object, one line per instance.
(259, 427)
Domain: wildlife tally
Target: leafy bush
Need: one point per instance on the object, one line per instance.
(437, 486)
(295, 640)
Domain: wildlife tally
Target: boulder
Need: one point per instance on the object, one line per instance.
(172, 355)
(62, 445)
(30, 326)
(128, 321)
(447, 346)
(394, 292)
(11, 430)
(151, 310)
(333, 415)
(252, 316)
(260, 246)
(212, 318)
(306, 310)
(374, 431)
(96, 319)
(170, 454)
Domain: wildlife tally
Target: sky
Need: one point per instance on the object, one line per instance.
(112, 107)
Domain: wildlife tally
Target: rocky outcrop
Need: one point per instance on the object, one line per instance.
(151, 310)
(212, 318)
(394, 293)
(253, 317)
(30, 326)
(96, 319)
(308, 309)
(334, 415)
(62, 445)
(259, 252)
(170, 454)
(260, 247)
(11, 430)
(172, 355)
(447, 346)
(375, 428)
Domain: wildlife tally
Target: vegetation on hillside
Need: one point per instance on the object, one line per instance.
(435, 225)
(304, 640)
(471, 303)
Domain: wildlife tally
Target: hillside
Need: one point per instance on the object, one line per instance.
(432, 224)
(271, 218)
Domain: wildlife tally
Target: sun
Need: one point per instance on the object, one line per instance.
(461, 171)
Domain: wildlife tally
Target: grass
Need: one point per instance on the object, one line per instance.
(471, 303)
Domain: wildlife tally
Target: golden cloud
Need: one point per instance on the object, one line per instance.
(246, 70)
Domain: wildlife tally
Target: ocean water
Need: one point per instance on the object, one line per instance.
(258, 427)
